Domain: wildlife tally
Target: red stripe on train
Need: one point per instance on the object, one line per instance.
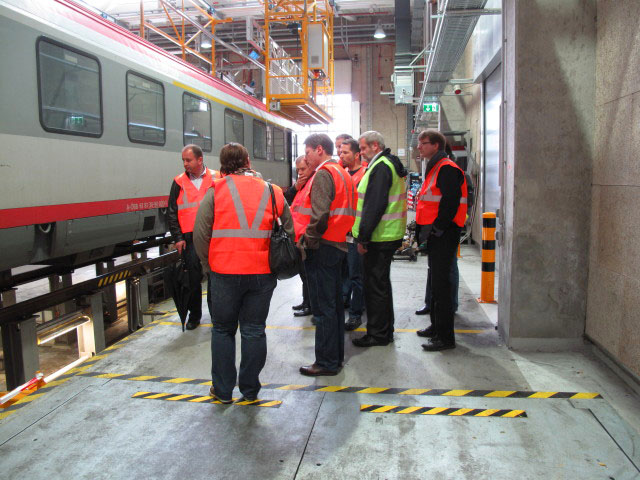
(18, 217)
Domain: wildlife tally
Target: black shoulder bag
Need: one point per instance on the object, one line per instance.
(284, 258)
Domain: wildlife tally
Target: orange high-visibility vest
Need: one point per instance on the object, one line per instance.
(430, 196)
(356, 177)
(342, 210)
(296, 208)
(242, 224)
(189, 200)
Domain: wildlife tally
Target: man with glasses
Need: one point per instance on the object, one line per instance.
(441, 213)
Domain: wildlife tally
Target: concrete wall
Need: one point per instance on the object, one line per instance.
(613, 313)
(371, 75)
(549, 122)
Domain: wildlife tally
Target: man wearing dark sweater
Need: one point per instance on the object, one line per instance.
(441, 213)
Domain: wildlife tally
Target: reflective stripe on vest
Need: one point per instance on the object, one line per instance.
(430, 196)
(341, 210)
(191, 197)
(393, 223)
(237, 247)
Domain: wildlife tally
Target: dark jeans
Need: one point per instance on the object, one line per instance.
(324, 276)
(352, 288)
(194, 268)
(243, 300)
(442, 254)
(378, 298)
(454, 278)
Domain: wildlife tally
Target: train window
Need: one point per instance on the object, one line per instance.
(279, 152)
(69, 90)
(269, 142)
(259, 140)
(233, 127)
(196, 113)
(145, 109)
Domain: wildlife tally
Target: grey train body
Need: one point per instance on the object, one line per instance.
(43, 170)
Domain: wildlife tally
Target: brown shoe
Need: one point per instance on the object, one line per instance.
(316, 371)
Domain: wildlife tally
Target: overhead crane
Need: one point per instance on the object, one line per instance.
(297, 88)
(294, 84)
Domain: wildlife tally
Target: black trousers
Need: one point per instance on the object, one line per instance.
(305, 286)
(378, 298)
(195, 278)
(442, 253)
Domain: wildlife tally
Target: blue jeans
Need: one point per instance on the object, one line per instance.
(352, 288)
(324, 275)
(243, 300)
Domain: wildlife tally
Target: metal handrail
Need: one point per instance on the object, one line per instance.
(23, 311)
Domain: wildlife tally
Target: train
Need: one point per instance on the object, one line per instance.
(92, 122)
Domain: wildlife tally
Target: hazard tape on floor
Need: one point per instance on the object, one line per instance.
(175, 397)
(448, 411)
(428, 392)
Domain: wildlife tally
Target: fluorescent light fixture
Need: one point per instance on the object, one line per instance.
(379, 33)
(62, 329)
(65, 369)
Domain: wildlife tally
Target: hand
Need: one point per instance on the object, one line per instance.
(181, 245)
(301, 182)
(362, 249)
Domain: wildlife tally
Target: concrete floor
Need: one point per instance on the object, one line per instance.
(92, 427)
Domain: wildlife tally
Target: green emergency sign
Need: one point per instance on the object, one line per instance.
(431, 107)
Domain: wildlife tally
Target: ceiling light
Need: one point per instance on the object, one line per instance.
(379, 33)
(206, 43)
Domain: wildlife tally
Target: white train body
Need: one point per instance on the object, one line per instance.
(74, 182)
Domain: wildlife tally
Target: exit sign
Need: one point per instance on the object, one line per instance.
(431, 107)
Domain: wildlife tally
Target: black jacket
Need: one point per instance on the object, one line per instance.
(377, 197)
(172, 213)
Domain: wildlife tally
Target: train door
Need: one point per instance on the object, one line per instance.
(292, 153)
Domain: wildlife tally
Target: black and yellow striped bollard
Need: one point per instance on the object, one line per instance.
(488, 258)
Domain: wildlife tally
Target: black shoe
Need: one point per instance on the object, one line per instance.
(302, 313)
(213, 395)
(352, 323)
(302, 306)
(247, 398)
(316, 371)
(428, 332)
(369, 341)
(424, 310)
(435, 345)
(192, 325)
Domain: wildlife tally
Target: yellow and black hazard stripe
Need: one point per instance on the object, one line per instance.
(428, 392)
(448, 411)
(114, 278)
(175, 397)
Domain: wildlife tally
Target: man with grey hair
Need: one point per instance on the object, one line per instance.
(380, 225)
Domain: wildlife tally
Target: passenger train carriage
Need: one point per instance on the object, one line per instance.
(92, 122)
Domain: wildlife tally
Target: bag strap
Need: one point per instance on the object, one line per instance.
(274, 207)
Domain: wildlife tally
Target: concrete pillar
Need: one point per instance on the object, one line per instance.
(109, 292)
(91, 335)
(20, 352)
(548, 121)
